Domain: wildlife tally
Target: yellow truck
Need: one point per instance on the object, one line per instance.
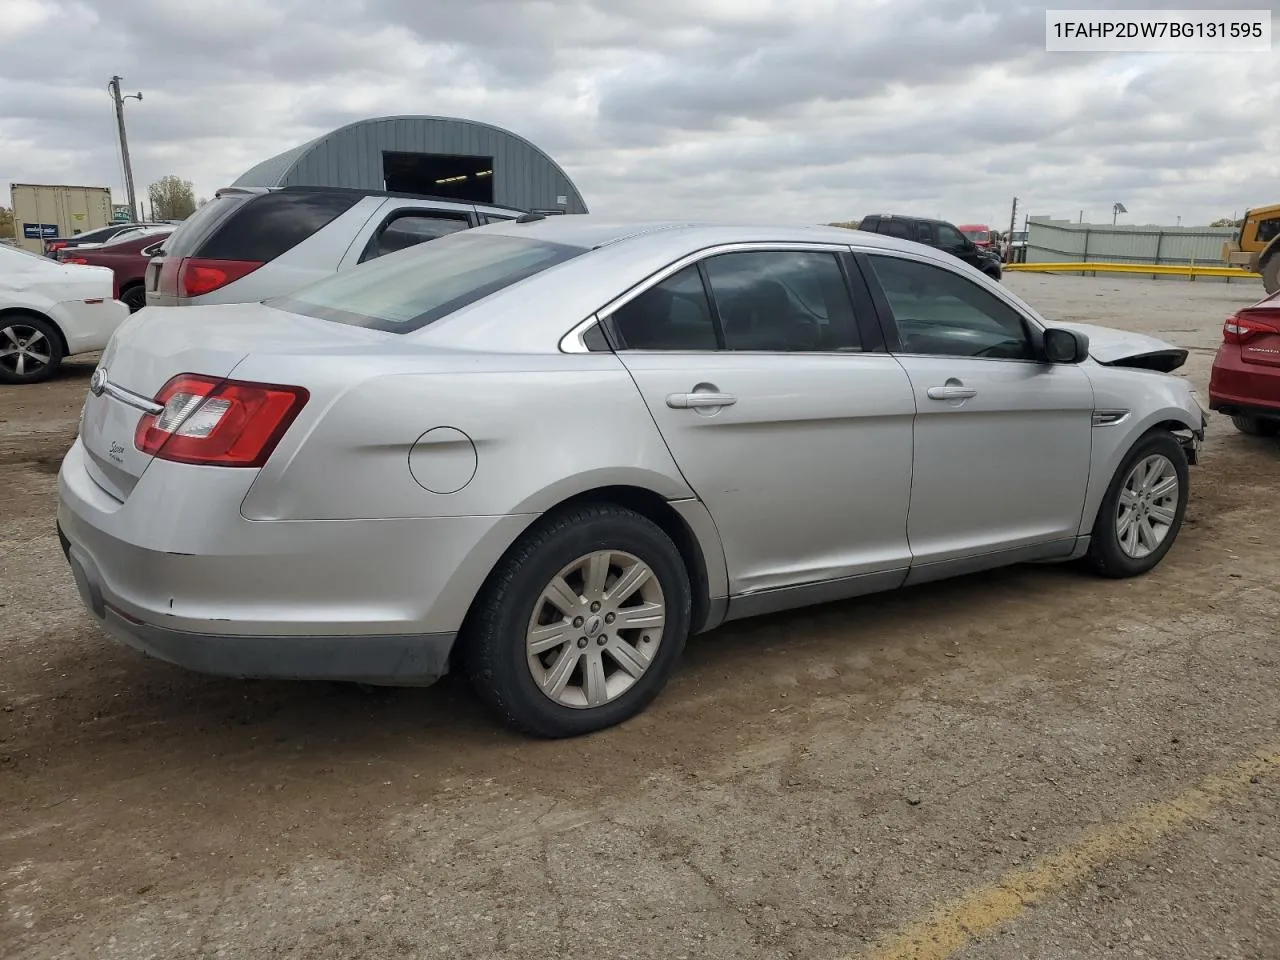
(1257, 245)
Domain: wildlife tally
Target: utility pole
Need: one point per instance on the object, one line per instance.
(1013, 223)
(118, 100)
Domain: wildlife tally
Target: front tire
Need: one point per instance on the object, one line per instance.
(30, 348)
(1256, 426)
(581, 624)
(1142, 511)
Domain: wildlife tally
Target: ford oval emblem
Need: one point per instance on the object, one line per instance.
(98, 382)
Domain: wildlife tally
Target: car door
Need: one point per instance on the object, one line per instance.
(760, 374)
(401, 223)
(1002, 438)
(957, 244)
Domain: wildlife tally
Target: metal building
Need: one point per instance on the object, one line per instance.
(439, 156)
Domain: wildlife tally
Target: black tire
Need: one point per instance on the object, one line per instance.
(1256, 426)
(1270, 270)
(1106, 556)
(134, 297)
(494, 639)
(21, 328)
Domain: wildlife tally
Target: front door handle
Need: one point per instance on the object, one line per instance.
(952, 392)
(686, 401)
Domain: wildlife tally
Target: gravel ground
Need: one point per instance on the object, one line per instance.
(1047, 761)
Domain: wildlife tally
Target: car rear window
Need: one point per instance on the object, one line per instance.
(268, 224)
(405, 291)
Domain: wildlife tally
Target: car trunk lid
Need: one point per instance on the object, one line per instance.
(1256, 330)
(156, 345)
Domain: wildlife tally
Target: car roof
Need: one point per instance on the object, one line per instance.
(360, 191)
(593, 231)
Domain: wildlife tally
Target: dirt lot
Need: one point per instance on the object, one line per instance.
(1031, 763)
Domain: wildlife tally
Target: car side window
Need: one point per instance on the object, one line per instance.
(1268, 230)
(782, 300)
(870, 224)
(940, 313)
(949, 238)
(411, 228)
(896, 228)
(672, 315)
(924, 233)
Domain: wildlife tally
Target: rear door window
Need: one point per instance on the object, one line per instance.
(672, 315)
(896, 228)
(408, 290)
(782, 301)
(411, 227)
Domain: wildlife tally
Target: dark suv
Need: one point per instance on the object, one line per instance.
(935, 233)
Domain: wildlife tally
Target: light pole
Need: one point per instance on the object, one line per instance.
(1116, 210)
(118, 100)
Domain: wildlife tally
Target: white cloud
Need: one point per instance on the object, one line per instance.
(804, 109)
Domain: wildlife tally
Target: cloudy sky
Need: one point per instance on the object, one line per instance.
(805, 109)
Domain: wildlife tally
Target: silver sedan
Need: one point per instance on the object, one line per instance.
(545, 452)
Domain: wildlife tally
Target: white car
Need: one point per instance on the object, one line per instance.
(51, 310)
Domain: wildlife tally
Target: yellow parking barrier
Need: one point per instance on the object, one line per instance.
(1151, 269)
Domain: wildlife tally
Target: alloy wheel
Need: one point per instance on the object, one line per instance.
(24, 350)
(1147, 506)
(595, 629)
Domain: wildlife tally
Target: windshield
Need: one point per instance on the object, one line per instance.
(977, 236)
(17, 260)
(404, 291)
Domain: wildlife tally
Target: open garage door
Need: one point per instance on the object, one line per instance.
(439, 175)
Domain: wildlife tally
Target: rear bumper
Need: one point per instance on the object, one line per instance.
(1239, 387)
(184, 577)
(413, 659)
(88, 326)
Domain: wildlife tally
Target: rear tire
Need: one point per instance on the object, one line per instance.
(1270, 271)
(1256, 426)
(1132, 537)
(30, 348)
(135, 297)
(539, 664)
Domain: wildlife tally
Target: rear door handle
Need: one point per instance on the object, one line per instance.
(686, 401)
(951, 393)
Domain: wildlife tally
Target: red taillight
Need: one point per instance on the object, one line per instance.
(224, 423)
(1242, 328)
(72, 259)
(197, 277)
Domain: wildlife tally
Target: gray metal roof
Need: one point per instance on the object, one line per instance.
(351, 156)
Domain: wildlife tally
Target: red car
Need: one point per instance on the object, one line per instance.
(1245, 381)
(127, 254)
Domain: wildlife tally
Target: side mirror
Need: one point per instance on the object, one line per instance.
(1065, 346)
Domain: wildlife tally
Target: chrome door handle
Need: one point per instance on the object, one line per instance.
(686, 401)
(952, 393)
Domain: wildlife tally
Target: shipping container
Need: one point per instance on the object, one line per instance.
(43, 212)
